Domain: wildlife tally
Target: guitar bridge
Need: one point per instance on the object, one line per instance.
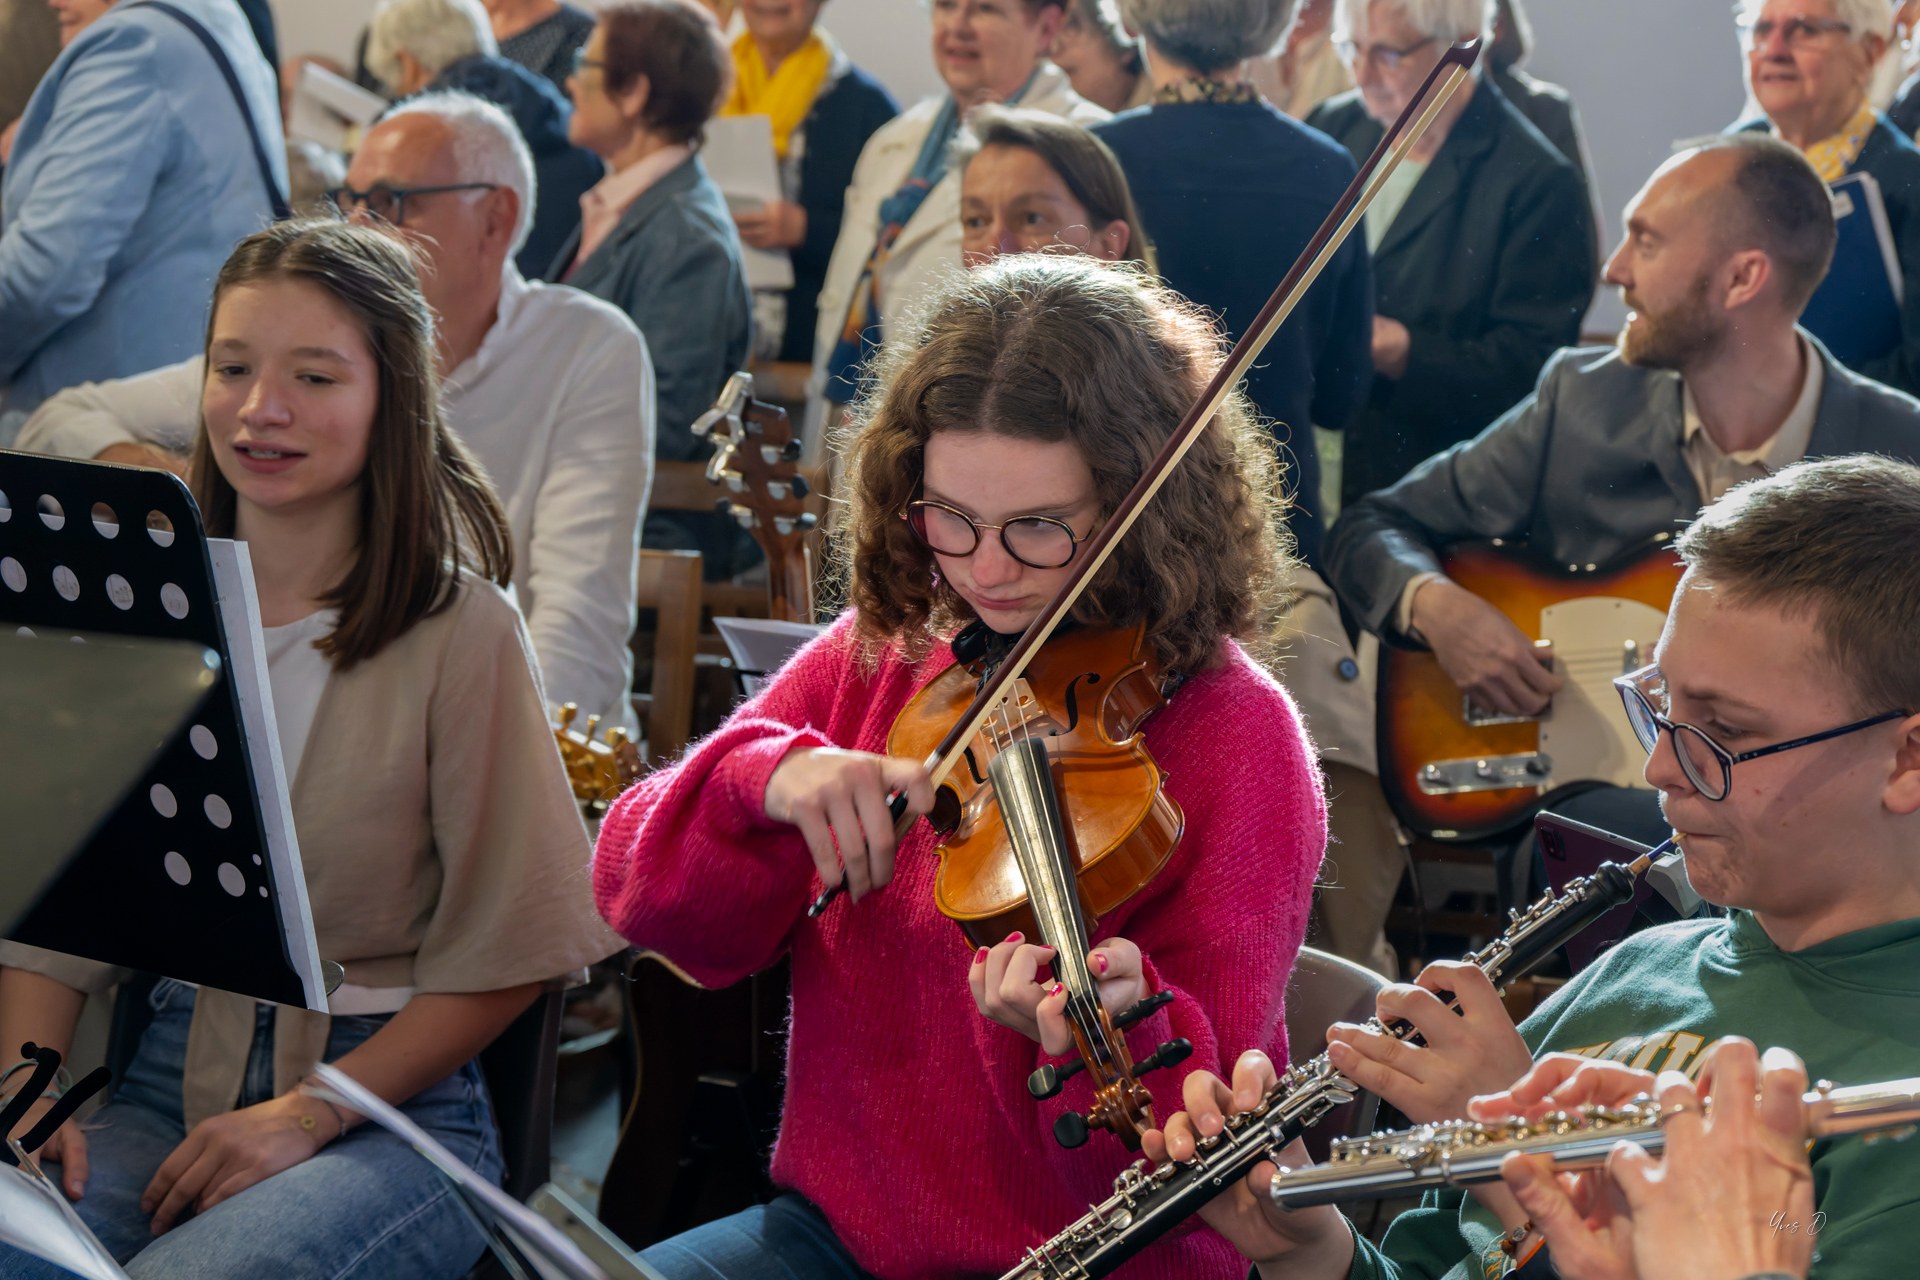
(1485, 773)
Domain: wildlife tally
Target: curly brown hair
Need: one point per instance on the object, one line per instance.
(1048, 347)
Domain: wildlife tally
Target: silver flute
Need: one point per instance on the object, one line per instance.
(1463, 1153)
(1147, 1202)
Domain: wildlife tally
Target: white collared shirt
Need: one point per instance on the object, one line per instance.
(1715, 470)
(557, 404)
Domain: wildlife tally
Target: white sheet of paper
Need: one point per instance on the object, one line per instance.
(36, 1217)
(240, 615)
(330, 109)
(553, 1255)
(739, 157)
(759, 646)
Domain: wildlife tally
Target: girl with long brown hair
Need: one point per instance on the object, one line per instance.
(1003, 428)
(444, 858)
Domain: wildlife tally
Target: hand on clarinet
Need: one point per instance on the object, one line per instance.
(1713, 1205)
(838, 799)
(1301, 1244)
(1007, 989)
(1472, 1051)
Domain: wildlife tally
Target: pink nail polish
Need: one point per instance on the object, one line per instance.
(1016, 936)
(1057, 989)
(1100, 961)
(980, 955)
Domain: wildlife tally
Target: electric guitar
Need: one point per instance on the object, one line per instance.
(1456, 771)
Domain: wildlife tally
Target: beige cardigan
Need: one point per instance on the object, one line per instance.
(441, 843)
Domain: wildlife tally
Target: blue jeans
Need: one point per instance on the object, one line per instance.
(366, 1206)
(785, 1240)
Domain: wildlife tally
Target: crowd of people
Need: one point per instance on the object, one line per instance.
(428, 380)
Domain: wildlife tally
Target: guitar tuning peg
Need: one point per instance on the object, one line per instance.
(808, 520)
(790, 451)
(799, 486)
(733, 397)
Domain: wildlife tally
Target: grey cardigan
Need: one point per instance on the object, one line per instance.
(672, 263)
(1587, 467)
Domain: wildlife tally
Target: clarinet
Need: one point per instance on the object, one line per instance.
(1148, 1202)
(1462, 1153)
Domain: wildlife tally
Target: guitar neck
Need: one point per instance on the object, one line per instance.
(789, 578)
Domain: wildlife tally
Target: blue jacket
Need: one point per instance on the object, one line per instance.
(562, 172)
(672, 263)
(1230, 194)
(132, 178)
(843, 117)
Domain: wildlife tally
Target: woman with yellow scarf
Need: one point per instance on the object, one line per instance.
(823, 110)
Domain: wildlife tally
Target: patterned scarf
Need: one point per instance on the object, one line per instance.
(1832, 157)
(1205, 89)
(784, 96)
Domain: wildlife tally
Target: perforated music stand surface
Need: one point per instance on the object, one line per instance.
(176, 880)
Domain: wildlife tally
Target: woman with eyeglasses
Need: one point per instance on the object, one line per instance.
(1003, 428)
(655, 236)
(1809, 66)
(1484, 250)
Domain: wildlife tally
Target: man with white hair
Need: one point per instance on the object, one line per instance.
(1809, 66)
(416, 46)
(551, 388)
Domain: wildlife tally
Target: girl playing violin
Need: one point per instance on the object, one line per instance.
(998, 435)
(444, 856)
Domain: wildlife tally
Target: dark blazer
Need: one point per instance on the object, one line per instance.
(1548, 108)
(562, 172)
(672, 263)
(1893, 160)
(1587, 467)
(1229, 194)
(1490, 265)
(842, 119)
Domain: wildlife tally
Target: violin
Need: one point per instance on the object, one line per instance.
(1007, 834)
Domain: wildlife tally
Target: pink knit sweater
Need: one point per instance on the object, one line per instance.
(907, 1118)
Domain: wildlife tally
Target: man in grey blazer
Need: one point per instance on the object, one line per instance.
(1711, 383)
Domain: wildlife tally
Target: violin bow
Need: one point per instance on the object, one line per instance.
(1453, 68)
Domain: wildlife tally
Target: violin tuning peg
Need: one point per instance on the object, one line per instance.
(1047, 1081)
(1070, 1130)
(1143, 1010)
(1166, 1055)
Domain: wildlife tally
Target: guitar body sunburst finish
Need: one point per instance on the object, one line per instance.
(1421, 714)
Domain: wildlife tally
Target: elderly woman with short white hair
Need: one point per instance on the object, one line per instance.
(1809, 65)
(417, 46)
(1483, 242)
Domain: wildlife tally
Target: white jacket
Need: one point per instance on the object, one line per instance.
(929, 245)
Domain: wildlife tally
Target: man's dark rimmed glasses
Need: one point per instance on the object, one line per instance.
(389, 204)
(1707, 764)
(1797, 32)
(1039, 542)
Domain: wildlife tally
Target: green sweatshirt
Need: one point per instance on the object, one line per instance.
(1850, 1008)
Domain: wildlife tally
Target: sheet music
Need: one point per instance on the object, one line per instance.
(240, 615)
(759, 646)
(549, 1251)
(740, 159)
(329, 109)
(35, 1217)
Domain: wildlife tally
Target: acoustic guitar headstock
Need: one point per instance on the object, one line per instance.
(756, 462)
(597, 769)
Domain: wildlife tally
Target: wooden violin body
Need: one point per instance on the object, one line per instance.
(1086, 696)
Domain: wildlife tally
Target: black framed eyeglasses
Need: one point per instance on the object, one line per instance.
(1707, 764)
(1039, 542)
(388, 203)
(1797, 32)
(1388, 57)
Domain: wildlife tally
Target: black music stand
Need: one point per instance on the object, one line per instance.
(177, 879)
